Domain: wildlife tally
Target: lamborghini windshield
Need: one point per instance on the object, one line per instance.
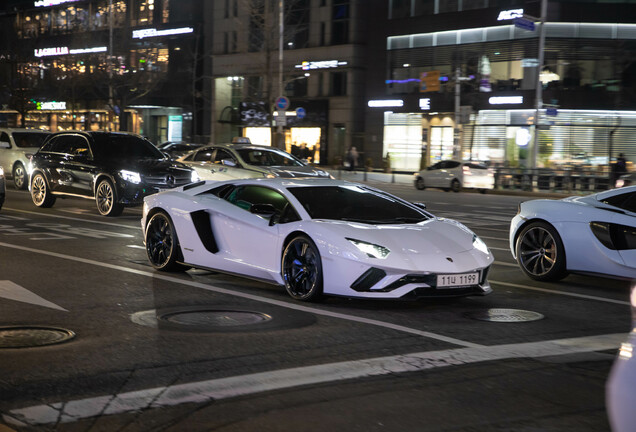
(357, 204)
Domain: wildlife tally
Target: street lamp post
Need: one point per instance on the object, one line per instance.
(538, 100)
(281, 30)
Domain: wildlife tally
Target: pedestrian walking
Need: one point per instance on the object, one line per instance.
(352, 158)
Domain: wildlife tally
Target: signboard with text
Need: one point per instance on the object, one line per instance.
(429, 81)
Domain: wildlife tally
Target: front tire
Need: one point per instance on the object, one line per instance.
(419, 184)
(456, 186)
(302, 269)
(106, 199)
(19, 177)
(162, 243)
(40, 192)
(540, 252)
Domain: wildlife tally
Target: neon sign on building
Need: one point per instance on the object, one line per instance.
(153, 32)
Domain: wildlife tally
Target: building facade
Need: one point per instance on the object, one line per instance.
(102, 65)
(462, 79)
(316, 82)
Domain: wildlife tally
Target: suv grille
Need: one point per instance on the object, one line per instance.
(170, 180)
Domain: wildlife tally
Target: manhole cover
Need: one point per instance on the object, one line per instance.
(215, 318)
(222, 318)
(31, 336)
(505, 315)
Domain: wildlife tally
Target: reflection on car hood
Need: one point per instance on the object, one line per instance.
(149, 166)
(432, 237)
(298, 171)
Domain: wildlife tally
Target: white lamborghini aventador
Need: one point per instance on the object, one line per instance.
(315, 237)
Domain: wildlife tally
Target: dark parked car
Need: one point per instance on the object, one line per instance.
(116, 169)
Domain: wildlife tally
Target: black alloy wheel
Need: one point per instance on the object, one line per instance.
(19, 177)
(302, 269)
(419, 184)
(106, 199)
(540, 252)
(40, 192)
(162, 244)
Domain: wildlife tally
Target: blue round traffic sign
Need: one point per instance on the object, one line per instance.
(282, 103)
(300, 113)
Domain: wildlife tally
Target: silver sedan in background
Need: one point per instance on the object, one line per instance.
(235, 161)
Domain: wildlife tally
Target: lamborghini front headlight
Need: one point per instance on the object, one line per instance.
(372, 250)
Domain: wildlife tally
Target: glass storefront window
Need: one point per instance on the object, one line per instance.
(307, 138)
(403, 140)
(441, 143)
(259, 135)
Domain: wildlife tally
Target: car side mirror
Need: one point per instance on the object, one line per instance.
(266, 210)
(228, 162)
(4, 144)
(429, 168)
(420, 205)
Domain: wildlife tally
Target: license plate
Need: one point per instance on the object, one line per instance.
(455, 280)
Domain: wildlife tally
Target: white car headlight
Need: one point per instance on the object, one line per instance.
(1, 172)
(130, 176)
(372, 250)
(194, 177)
(480, 245)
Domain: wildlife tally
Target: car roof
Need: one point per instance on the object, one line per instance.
(609, 193)
(241, 147)
(24, 130)
(281, 182)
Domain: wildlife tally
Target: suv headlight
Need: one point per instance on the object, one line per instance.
(372, 250)
(194, 177)
(130, 176)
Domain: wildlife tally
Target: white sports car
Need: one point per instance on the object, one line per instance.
(315, 237)
(590, 234)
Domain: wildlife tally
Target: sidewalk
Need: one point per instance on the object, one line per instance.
(405, 179)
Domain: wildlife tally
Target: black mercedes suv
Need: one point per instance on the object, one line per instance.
(117, 169)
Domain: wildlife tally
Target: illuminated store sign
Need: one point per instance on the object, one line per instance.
(51, 105)
(324, 64)
(505, 100)
(386, 103)
(47, 3)
(47, 52)
(510, 14)
(88, 50)
(425, 104)
(153, 32)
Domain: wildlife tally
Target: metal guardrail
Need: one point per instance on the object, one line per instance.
(531, 180)
(551, 181)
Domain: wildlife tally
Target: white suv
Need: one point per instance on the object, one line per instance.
(455, 175)
(16, 148)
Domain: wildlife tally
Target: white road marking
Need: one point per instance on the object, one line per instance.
(136, 227)
(134, 246)
(13, 291)
(505, 264)
(499, 249)
(250, 296)
(225, 388)
(583, 296)
(494, 238)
